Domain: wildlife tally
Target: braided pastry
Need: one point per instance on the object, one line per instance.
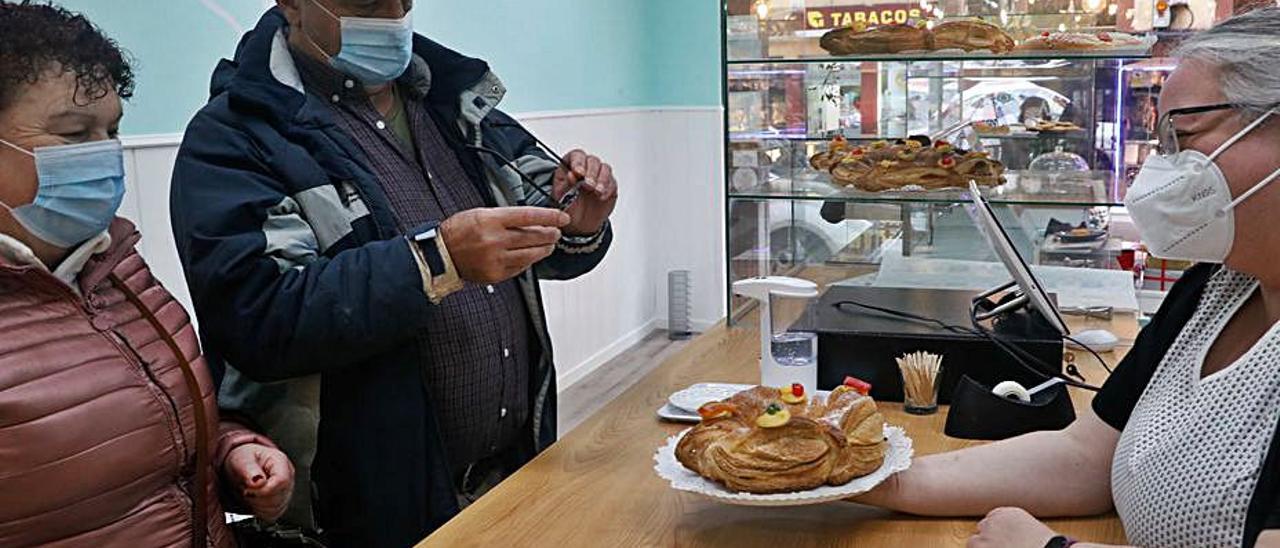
(766, 440)
(915, 162)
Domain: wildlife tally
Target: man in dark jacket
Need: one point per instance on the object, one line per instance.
(363, 233)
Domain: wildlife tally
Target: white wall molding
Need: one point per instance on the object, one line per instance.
(592, 112)
(155, 140)
(698, 325)
(163, 140)
(669, 216)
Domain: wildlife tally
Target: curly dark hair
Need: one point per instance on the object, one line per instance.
(37, 37)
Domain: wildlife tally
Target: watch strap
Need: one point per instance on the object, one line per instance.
(1060, 541)
(439, 276)
(428, 240)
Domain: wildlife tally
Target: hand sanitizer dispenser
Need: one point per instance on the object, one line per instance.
(786, 356)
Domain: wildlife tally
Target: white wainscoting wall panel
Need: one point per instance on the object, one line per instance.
(670, 215)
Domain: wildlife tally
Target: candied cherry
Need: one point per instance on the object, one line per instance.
(858, 385)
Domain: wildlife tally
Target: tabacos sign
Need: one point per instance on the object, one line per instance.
(884, 14)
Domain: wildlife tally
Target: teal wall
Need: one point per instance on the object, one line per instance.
(553, 54)
(683, 45)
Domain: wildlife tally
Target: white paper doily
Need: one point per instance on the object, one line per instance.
(897, 458)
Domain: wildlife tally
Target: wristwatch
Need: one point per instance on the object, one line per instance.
(1060, 542)
(439, 278)
(428, 241)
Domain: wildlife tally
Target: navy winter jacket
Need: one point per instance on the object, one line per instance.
(310, 301)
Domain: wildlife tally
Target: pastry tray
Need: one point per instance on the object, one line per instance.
(896, 459)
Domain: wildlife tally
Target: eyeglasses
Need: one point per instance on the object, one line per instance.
(1167, 130)
(564, 202)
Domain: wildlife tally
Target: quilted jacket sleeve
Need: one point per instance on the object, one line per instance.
(270, 303)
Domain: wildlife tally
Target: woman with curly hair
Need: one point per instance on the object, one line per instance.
(109, 429)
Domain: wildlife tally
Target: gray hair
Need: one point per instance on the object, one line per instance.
(1246, 51)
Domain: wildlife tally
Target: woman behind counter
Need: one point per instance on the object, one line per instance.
(100, 443)
(1182, 440)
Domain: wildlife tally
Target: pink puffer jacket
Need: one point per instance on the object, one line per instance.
(97, 430)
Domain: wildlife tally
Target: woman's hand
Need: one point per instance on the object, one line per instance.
(1011, 528)
(263, 477)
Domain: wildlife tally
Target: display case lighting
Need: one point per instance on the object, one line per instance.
(762, 9)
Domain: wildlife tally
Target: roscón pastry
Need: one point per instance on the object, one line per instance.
(1050, 126)
(967, 35)
(770, 440)
(837, 150)
(984, 128)
(1079, 41)
(970, 35)
(880, 39)
(883, 166)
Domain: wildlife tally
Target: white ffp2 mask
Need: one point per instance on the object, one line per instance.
(1182, 204)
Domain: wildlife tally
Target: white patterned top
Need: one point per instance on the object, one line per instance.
(1189, 459)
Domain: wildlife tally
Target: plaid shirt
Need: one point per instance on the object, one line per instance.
(475, 350)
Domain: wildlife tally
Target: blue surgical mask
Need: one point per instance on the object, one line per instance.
(374, 51)
(81, 187)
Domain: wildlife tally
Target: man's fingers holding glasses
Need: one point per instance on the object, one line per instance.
(519, 260)
(576, 161)
(606, 186)
(593, 168)
(536, 236)
(520, 217)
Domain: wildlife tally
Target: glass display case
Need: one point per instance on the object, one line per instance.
(1069, 128)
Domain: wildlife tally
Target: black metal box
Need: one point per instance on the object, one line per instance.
(863, 343)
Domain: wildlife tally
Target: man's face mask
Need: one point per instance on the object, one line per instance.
(1182, 205)
(374, 51)
(81, 187)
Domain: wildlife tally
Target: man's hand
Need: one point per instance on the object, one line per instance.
(596, 198)
(263, 478)
(495, 245)
(1011, 528)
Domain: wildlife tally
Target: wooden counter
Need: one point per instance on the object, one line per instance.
(596, 486)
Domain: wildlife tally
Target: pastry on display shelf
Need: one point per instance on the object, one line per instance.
(915, 162)
(880, 39)
(984, 129)
(967, 35)
(1079, 41)
(771, 440)
(971, 35)
(1050, 126)
(1081, 235)
(824, 161)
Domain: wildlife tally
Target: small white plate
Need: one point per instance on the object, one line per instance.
(693, 397)
(672, 413)
(669, 412)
